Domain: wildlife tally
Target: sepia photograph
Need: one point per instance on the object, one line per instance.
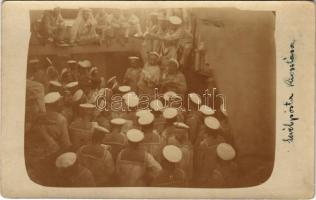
(157, 100)
(170, 97)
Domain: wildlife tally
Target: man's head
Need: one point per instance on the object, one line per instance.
(57, 11)
(153, 58)
(53, 101)
(36, 71)
(173, 66)
(86, 14)
(133, 61)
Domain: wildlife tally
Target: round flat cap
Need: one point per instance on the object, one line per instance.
(175, 62)
(133, 58)
(87, 105)
(101, 129)
(33, 61)
(223, 110)
(118, 121)
(124, 88)
(77, 95)
(170, 94)
(71, 61)
(66, 160)
(154, 53)
(181, 125)
(206, 110)
(212, 122)
(72, 84)
(52, 97)
(225, 151)
(175, 20)
(156, 105)
(146, 118)
(85, 64)
(55, 83)
(172, 153)
(140, 113)
(92, 70)
(63, 71)
(195, 98)
(135, 135)
(170, 113)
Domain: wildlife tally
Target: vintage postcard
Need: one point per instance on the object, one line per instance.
(157, 99)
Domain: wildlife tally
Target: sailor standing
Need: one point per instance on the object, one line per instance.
(170, 176)
(134, 166)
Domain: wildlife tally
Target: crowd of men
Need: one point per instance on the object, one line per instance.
(82, 130)
(73, 139)
(166, 31)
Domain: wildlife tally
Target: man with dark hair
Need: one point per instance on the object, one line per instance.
(97, 158)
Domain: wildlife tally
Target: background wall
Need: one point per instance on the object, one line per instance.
(241, 51)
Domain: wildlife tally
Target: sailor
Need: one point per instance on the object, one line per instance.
(55, 86)
(81, 128)
(206, 111)
(150, 75)
(132, 73)
(72, 87)
(194, 117)
(116, 139)
(174, 79)
(222, 115)
(49, 137)
(225, 173)
(152, 142)
(84, 68)
(206, 156)
(174, 100)
(97, 158)
(104, 116)
(131, 100)
(159, 121)
(170, 115)
(152, 27)
(74, 112)
(134, 166)
(70, 173)
(66, 76)
(180, 139)
(172, 38)
(35, 92)
(72, 66)
(171, 175)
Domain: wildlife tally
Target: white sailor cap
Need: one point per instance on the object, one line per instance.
(72, 84)
(118, 121)
(131, 101)
(133, 58)
(223, 110)
(175, 20)
(142, 112)
(135, 135)
(181, 125)
(87, 105)
(77, 95)
(170, 113)
(172, 153)
(212, 122)
(92, 70)
(55, 83)
(195, 98)
(71, 61)
(111, 79)
(206, 110)
(33, 61)
(174, 61)
(154, 53)
(156, 105)
(225, 151)
(52, 97)
(124, 88)
(99, 128)
(146, 118)
(63, 71)
(170, 94)
(66, 160)
(85, 63)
